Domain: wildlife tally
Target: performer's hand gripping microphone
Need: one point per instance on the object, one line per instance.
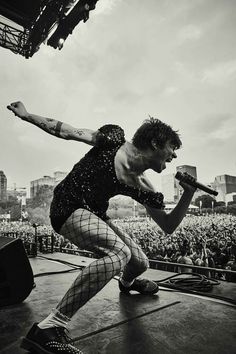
(183, 177)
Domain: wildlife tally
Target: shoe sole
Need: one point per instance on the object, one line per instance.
(29, 345)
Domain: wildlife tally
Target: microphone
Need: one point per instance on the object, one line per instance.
(182, 177)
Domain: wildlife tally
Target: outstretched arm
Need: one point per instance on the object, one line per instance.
(52, 126)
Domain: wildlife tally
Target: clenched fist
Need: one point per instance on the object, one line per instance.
(18, 109)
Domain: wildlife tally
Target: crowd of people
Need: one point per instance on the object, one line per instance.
(46, 238)
(205, 240)
(201, 240)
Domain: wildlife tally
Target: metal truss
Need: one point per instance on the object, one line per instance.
(64, 15)
(14, 39)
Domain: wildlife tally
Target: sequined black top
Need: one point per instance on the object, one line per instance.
(92, 181)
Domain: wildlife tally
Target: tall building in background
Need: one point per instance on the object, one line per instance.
(169, 188)
(3, 186)
(38, 183)
(224, 184)
(46, 181)
(59, 176)
(191, 170)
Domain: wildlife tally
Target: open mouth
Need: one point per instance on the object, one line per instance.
(169, 159)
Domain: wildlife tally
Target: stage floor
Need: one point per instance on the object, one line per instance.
(172, 322)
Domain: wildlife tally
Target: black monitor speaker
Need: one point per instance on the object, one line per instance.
(16, 275)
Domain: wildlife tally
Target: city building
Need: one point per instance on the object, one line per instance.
(230, 197)
(191, 170)
(224, 184)
(3, 186)
(169, 188)
(46, 181)
(38, 183)
(59, 176)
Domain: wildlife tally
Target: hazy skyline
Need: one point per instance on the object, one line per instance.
(174, 60)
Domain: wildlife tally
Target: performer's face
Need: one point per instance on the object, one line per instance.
(163, 155)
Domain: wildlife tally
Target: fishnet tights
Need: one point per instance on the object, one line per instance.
(117, 250)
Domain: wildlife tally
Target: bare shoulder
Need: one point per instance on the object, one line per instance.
(146, 183)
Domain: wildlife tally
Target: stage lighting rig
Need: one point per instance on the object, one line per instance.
(40, 21)
(66, 25)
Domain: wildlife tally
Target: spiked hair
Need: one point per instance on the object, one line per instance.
(154, 130)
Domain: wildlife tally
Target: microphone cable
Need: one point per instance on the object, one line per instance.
(197, 284)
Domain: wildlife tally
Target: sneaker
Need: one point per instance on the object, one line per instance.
(143, 286)
(53, 340)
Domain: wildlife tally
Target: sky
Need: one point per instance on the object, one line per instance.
(173, 60)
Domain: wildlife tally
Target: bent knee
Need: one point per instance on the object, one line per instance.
(124, 256)
(142, 264)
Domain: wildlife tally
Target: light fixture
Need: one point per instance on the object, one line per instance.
(61, 43)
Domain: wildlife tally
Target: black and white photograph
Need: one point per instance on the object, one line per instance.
(118, 177)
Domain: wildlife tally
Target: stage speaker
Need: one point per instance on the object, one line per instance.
(16, 276)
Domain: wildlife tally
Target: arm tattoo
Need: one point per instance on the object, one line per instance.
(43, 126)
(58, 128)
(79, 132)
(49, 128)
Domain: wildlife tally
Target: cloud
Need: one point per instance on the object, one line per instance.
(220, 73)
(183, 70)
(212, 122)
(105, 7)
(34, 141)
(170, 90)
(189, 33)
(215, 131)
